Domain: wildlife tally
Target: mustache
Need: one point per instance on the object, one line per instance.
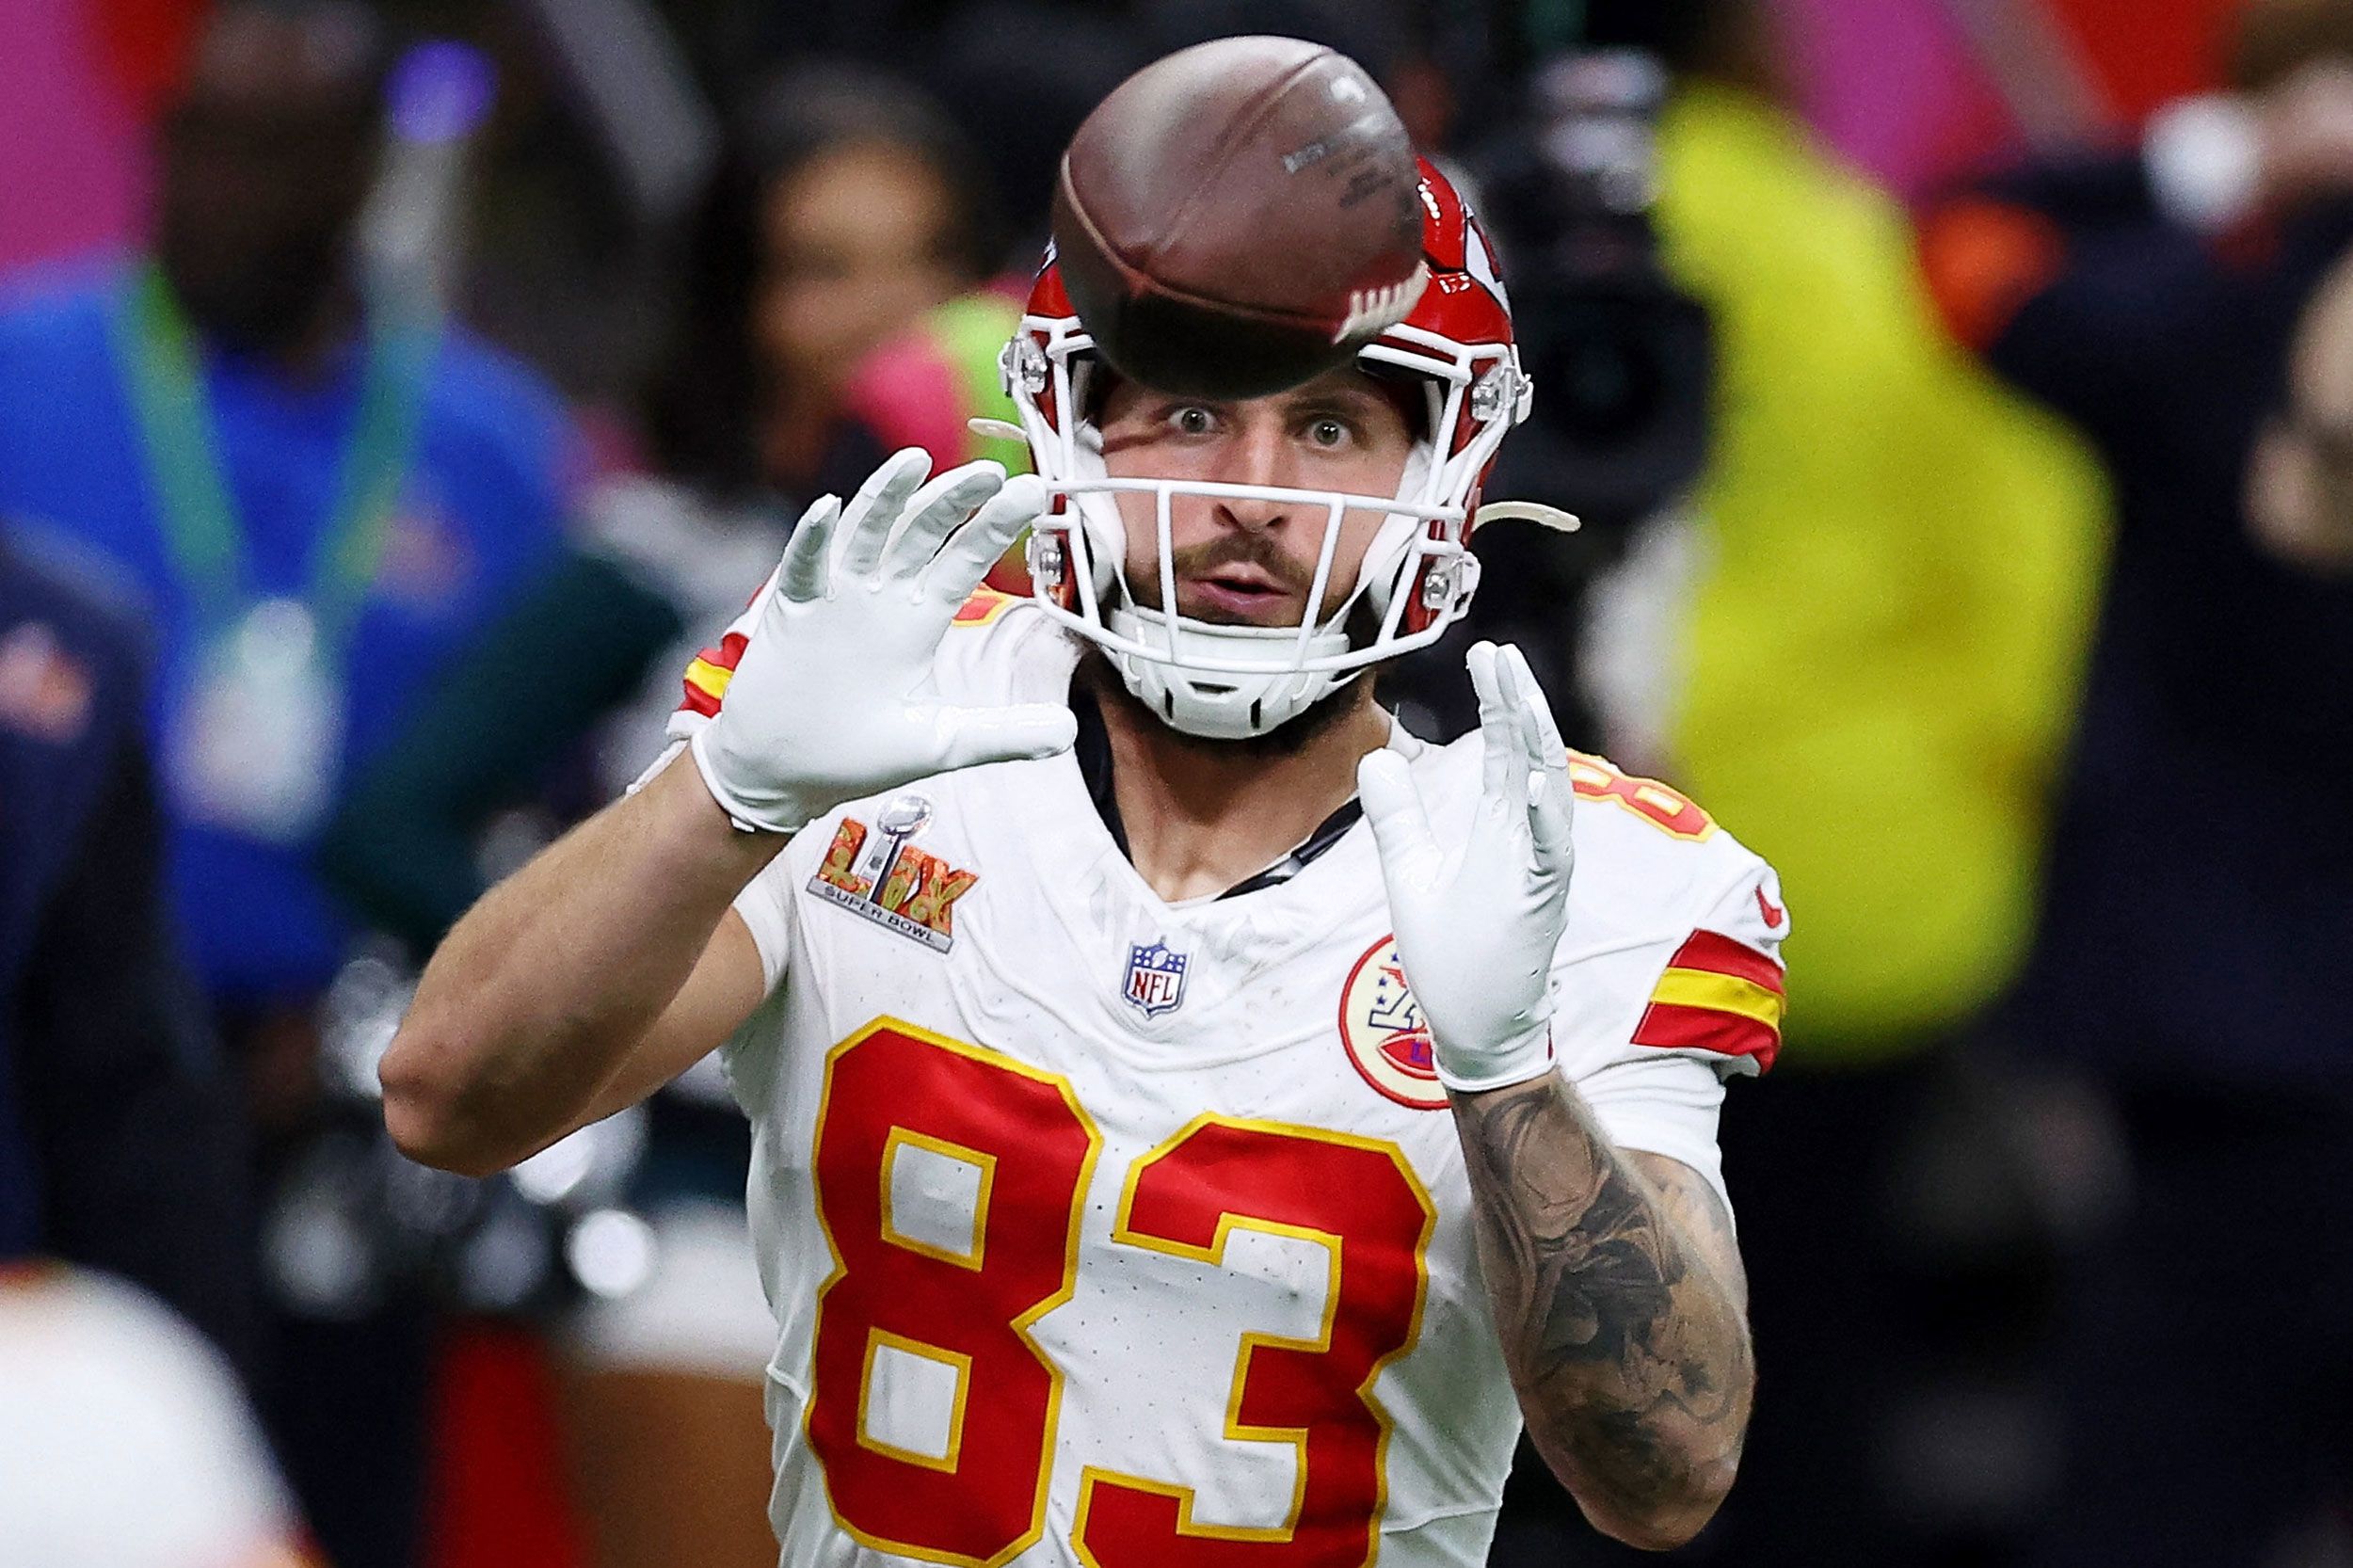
(1244, 550)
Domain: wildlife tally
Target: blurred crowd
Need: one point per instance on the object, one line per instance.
(394, 397)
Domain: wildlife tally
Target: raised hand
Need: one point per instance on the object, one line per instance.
(833, 697)
(1477, 920)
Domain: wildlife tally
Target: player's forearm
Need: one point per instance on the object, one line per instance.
(536, 998)
(1630, 1355)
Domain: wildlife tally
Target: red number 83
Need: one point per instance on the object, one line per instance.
(963, 1307)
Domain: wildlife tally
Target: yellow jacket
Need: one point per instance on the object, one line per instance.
(1902, 562)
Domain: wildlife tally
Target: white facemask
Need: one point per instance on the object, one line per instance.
(1229, 682)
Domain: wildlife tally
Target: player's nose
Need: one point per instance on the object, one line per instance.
(1252, 514)
(1256, 455)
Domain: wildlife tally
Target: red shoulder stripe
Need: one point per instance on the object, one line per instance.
(1705, 1028)
(1721, 954)
(706, 678)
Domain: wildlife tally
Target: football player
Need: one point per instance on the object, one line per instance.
(1195, 1120)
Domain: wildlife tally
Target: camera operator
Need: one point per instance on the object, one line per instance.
(1568, 189)
(2184, 304)
(1866, 613)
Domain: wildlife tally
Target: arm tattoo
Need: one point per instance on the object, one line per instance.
(1617, 1293)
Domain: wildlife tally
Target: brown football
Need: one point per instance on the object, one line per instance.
(1239, 217)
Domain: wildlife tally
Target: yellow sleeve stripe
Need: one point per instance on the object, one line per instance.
(709, 678)
(1720, 993)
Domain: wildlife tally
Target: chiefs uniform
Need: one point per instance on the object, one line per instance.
(1104, 1229)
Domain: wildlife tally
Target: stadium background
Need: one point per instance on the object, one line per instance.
(1897, 636)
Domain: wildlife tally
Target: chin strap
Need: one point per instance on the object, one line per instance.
(1527, 511)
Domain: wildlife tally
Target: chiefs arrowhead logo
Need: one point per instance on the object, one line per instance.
(1384, 1032)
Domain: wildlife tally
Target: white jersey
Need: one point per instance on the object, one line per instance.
(1102, 1229)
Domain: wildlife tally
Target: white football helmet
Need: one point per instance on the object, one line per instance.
(1226, 681)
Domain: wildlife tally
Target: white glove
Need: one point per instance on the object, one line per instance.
(1477, 920)
(833, 697)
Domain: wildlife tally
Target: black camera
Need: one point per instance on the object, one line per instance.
(1620, 356)
(1621, 359)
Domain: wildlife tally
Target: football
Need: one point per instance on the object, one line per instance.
(1239, 217)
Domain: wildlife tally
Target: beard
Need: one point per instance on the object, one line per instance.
(1098, 677)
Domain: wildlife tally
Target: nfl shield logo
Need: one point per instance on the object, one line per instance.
(1156, 978)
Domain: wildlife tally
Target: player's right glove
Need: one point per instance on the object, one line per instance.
(1477, 920)
(833, 697)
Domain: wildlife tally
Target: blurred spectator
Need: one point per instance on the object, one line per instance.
(124, 1441)
(120, 1143)
(1864, 657)
(1878, 659)
(2197, 913)
(318, 497)
(846, 207)
(827, 325)
(826, 322)
(320, 492)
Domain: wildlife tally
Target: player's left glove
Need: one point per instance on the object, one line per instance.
(1477, 920)
(833, 697)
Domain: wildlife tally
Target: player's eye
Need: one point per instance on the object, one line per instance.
(1328, 432)
(1193, 420)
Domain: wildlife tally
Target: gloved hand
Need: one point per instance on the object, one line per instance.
(833, 697)
(1477, 920)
